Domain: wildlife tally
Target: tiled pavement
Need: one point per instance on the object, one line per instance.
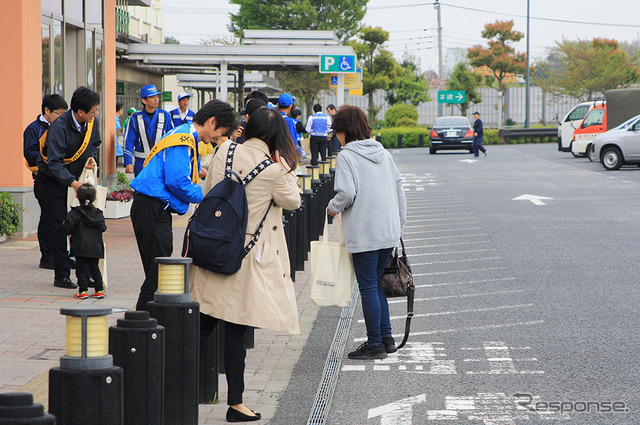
(32, 331)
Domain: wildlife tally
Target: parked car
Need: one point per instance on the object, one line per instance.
(569, 123)
(451, 133)
(593, 124)
(618, 146)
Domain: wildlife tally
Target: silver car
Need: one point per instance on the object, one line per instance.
(618, 146)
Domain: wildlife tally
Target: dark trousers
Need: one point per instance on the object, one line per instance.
(88, 267)
(52, 197)
(477, 146)
(234, 353)
(369, 267)
(43, 236)
(318, 144)
(334, 146)
(152, 227)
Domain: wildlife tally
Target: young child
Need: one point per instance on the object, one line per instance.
(85, 224)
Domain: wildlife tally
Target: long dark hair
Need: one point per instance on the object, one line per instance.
(268, 125)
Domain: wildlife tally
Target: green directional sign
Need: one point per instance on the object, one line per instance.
(451, 96)
(337, 64)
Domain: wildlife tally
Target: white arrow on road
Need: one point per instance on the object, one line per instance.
(537, 200)
(470, 161)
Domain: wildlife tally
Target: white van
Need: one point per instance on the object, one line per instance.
(569, 123)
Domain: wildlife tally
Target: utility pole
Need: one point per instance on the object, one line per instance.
(436, 5)
(526, 107)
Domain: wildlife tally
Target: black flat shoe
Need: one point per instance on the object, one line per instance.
(234, 415)
(64, 283)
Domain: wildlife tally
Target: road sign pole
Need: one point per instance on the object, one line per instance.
(340, 89)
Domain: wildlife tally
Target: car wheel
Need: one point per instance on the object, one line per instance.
(590, 153)
(611, 158)
(432, 151)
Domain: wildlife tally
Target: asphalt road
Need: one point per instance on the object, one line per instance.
(526, 309)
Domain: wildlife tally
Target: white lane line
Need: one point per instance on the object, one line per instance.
(434, 225)
(458, 271)
(434, 206)
(436, 217)
(472, 310)
(445, 244)
(428, 214)
(446, 230)
(457, 261)
(449, 297)
(441, 219)
(447, 237)
(464, 329)
(453, 252)
(464, 282)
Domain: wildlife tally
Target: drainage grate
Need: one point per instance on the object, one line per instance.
(322, 403)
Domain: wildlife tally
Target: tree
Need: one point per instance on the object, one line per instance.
(465, 79)
(412, 86)
(586, 69)
(499, 57)
(341, 16)
(304, 85)
(169, 39)
(219, 40)
(380, 69)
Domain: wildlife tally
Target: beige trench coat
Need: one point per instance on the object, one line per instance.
(261, 293)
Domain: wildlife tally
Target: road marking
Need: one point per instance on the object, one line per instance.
(449, 237)
(423, 357)
(472, 310)
(468, 161)
(434, 225)
(398, 412)
(453, 252)
(444, 219)
(446, 244)
(535, 199)
(500, 361)
(418, 218)
(464, 282)
(456, 261)
(448, 297)
(458, 271)
(465, 329)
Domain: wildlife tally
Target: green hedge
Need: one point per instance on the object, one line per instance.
(491, 138)
(410, 136)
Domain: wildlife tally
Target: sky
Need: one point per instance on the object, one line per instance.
(412, 24)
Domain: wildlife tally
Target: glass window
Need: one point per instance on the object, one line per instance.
(578, 113)
(99, 65)
(74, 10)
(93, 12)
(58, 61)
(451, 122)
(46, 59)
(91, 81)
(51, 6)
(594, 117)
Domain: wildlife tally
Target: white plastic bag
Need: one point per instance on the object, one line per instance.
(88, 176)
(332, 273)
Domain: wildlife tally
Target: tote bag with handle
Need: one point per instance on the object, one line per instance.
(88, 176)
(332, 273)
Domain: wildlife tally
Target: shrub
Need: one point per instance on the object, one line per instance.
(407, 122)
(410, 136)
(122, 178)
(398, 111)
(9, 215)
(120, 191)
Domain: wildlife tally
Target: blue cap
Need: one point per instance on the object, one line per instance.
(148, 91)
(183, 95)
(285, 99)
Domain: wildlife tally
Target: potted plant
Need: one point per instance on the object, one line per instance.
(119, 197)
(9, 216)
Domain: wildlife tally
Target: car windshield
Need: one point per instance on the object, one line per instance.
(594, 117)
(627, 123)
(451, 122)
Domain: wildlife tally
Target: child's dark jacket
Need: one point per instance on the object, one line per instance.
(85, 225)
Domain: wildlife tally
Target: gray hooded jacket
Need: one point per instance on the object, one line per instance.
(369, 196)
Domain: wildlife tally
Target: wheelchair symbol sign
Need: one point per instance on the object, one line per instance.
(334, 80)
(337, 63)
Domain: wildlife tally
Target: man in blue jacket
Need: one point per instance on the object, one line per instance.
(168, 183)
(478, 135)
(53, 105)
(318, 127)
(144, 129)
(285, 104)
(182, 114)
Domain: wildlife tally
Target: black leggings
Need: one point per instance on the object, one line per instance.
(234, 354)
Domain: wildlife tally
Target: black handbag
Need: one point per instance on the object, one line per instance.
(397, 281)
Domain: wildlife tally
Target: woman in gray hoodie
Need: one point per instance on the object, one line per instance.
(373, 206)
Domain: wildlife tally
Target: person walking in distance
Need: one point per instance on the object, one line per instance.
(72, 143)
(333, 144)
(53, 105)
(370, 196)
(144, 129)
(85, 224)
(318, 126)
(182, 114)
(478, 135)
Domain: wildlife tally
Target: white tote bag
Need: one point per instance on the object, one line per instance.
(88, 176)
(332, 273)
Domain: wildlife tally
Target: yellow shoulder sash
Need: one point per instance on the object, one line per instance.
(83, 147)
(177, 139)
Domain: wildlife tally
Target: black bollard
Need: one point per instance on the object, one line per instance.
(209, 369)
(399, 141)
(288, 233)
(312, 213)
(19, 409)
(137, 346)
(299, 237)
(86, 388)
(173, 308)
(421, 141)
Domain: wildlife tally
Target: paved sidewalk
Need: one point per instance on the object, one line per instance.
(32, 330)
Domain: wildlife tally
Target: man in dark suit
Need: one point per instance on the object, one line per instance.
(478, 135)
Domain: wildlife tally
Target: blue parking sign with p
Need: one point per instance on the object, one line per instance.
(337, 64)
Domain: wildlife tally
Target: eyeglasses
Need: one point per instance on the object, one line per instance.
(93, 113)
(58, 113)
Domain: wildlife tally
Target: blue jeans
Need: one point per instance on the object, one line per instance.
(369, 266)
(477, 146)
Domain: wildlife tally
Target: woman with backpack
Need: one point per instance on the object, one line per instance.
(260, 294)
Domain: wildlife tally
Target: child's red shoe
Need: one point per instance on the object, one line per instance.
(97, 294)
(81, 295)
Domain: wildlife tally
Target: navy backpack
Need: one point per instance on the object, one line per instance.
(215, 234)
